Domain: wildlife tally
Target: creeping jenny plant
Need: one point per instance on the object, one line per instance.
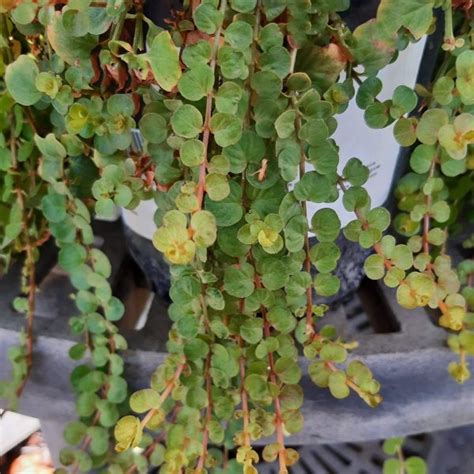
(235, 100)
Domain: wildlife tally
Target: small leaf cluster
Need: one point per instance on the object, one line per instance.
(62, 155)
(400, 464)
(440, 132)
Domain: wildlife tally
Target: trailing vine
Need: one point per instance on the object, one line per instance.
(236, 102)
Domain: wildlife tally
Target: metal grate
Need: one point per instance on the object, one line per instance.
(446, 452)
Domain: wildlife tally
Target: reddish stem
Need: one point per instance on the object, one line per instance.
(207, 118)
(205, 436)
(244, 397)
(164, 395)
(274, 380)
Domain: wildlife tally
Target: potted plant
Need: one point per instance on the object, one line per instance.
(236, 103)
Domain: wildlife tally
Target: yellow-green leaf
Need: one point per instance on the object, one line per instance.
(164, 60)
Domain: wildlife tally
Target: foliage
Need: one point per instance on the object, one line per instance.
(235, 101)
(400, 464)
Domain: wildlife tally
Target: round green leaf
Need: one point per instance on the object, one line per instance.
(440, 211)
(355, 172)
(71, 256)
(114, 309)
(227, 129)
(228, 97)
(443, 90)
(24, 13)
(197, 54)
(153, 127)
(422, 157)
(325, 256)
(367, 91)
(187, 121)
(405, 131)
(20, 79)
(465, 72)
(256, 386)
(270, 35)
(392, 466)
(337, 385)
(405, 99)
(117, 391)
(276, 59)
(326, 284)
(374, 267)
(204, 225)
(219, 164)
(232, 63)
(217, 186)
(243, 6)
(288, 370)
(392, 445)
(402, 257)
(127, 432)
(252, 330)
(207, 18)
(415, 465)
(313, 187)
(196, 83)
(74, 432)
(196, 397)
(266, 84)
(379, 218)
(99, 439)
(285, 123)
(319, 374)
(333, 352)
(192, 152)
(54, 207)
(229, 211)
(238, 282)
(144, 400)
(239, 35)
(355, 197)
(376, 115)
(157, 456)
(282, 319)
(430, 123)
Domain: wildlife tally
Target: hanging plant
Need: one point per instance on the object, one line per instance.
(236, 102)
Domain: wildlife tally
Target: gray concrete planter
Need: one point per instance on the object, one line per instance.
(405, 350)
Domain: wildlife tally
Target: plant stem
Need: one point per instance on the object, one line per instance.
(4, 30)
(426, 216)
(117, 31)
(164, 396)
(208, 113)
(254, 59)
(205, 436)
(401, 459)
(307, 261)
(244, 396)
(29, 267)
(273, 379)
(448, 23)
(138, 33)
(302, 170)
